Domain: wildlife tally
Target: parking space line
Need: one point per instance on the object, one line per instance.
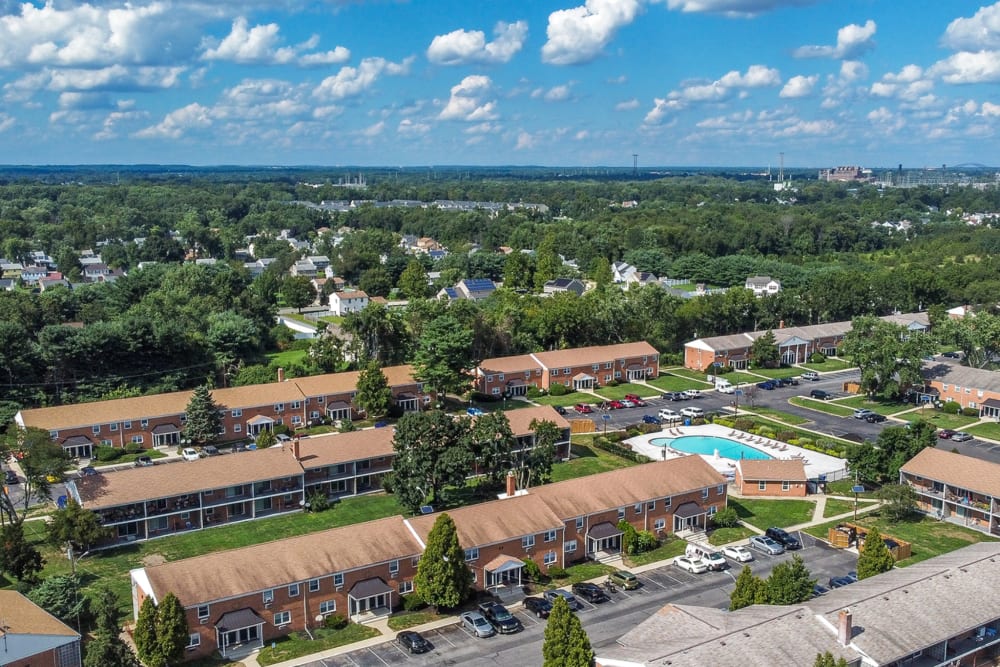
(654, 581)
(406, 654)
(444, 637)
(530, 617)
(379, 657)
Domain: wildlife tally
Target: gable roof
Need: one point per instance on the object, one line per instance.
(962, 376)
(337, 448)
(773, 470)
(520, 419)
(956, 469)
(21, 616)
(490, 522)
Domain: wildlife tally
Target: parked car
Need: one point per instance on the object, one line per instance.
(210, 450)
(240, 447)
(692, 565)
(713, 560)
(615, 405)
(819, 394)
(88, 471)
(692, 412)
(413, 642)
(590, 592)
(668, 415)
(766, 545)
(635, 399)
(837, 582)
(474, 412)
(561, 410)
(675, 396)
(961, 436)
(875, 418)
(767, 384)
(952, 355)
(571, 600)
(540, 607)
(477, 624)
(583, 408)
(819, 589)
(10, 477)
(946, 433)
(190, 454)
(691, 393)
(787, 382)
(740, 554)
(623, 579)
(502, 620)
(650, 419)
(142, 462)
(627, 403)
(810, 375)
(862, 413)
(782, 537)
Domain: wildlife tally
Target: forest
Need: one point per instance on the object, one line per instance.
(175, 324)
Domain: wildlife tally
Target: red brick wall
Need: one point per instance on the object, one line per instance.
(771, 488)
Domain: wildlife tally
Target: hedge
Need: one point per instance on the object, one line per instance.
(624, 452)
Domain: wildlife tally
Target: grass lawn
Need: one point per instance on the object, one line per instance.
(408, 619)
(298, 644)
(582, 572)
(786, 417)
(829, 365)
(989, 430)
(677, 383)
(569, 400)
(721, 536)
(586, 460)
(940, 419)
(669, 549)
(878, 405)
(835, 506)
(737, 378)
(332, 319)
(287, 357)
(687, 373)
(617, 393)
(822, 406)
(130, 458)
(773, 373)
(928, 537)
(842, 487)
(766, 513)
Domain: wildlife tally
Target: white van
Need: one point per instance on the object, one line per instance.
(713, 559)
(724, 386)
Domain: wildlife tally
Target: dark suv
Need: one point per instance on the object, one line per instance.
(502, 620)
(589, 592)
(780, 536)
(820, 394)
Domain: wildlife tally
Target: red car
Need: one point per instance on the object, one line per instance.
(946, 433)
(635, 399)
(615, 405)
(583, 408)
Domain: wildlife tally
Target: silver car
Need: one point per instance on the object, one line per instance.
(766, 545)
(477, 624)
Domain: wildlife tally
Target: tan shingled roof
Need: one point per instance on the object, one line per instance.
(628, 486)
(172, 479)
(236, 572)
(344, 447)
(773, 470)
(520, 419)
(515, 364)
(495, 521)
(582, 356)
(964, 471)
(21, 616)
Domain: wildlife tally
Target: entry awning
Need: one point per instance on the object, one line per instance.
(636, 367)
(516, 382)
(406, 396)
(503, 563)
(337, 406)
(260, 419)
(991, 403)
(236, 620)
(369, 588)
(77, 440)
(738, 357)
(688, 510)
(603, 530)
(166, 428)
(582, 376)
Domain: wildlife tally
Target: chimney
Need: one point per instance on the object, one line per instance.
(844, 628)
(281, 375)
(295, 449)
(511, 484)
(781, 324)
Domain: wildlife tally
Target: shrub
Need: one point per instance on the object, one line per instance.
(726, 518)
(558, 390)
(535, 392)
(722, 421)
(604, 443)
(785, 436)
(133, 448)
(805, 442)
(557, 572)
(318, 501)
(613, 383)
(281, 429)
(413, 603)
(334, 622)
(951, 408)
(646, 541)
(817, 358)
(531, 570)
(970, 412)
(105, 453)
(744, 424)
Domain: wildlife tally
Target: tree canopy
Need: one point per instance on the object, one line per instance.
(889, 355)
(432, 451)
(374, 395)
(204, 421)
(566, 643)
(874, 557)
(443, 579)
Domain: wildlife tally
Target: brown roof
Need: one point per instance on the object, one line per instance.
(514, 364)
(336, 448)
(495, 521)
(583, 356)
(185, 477)
(21, 616)
(520, 419)
(956, 469)
(628, 486)
(351, 294)
(226, 574)
(773, 470)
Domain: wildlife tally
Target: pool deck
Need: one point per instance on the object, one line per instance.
(816, 464)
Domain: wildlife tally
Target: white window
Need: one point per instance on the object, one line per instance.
(786, 485)
(660, 524)
(704, 494)
(268, 597)
(327, 607)
(608, 365)
(527, 541)
(761, 485)
(621, 512)
(607, 378)
(405, 587)
(282, 618)
(489, 378)
(499, 377)
(296, 405)
(570, 546)
(279, 407)
(237, 428)
(203, 612)
(137, 439)
(550, 558)
(114, 426)
(320, 399)
(296, 419)
(313, 585)
(565, 371)
(394, 567)
(55, 434)
(579, 523)
(127, 425)
(496, 391)
(237, 413)
(651, 505)
(471, 554)
(554, 371)
(338, 580)
(194, 640)
(293, 591)
(144, 423)
(712, 510)
(96, 429)
(720, 489)
(666, 502)
(638, 508)
(550, 536)
(618, 375)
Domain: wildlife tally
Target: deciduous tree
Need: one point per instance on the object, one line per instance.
(74, 529)
(203, 419)
(492, 442)
(432, 452)
(889, 355)
(875, 557)
(374, 395)
(413, 281)
(900, 502)
(298, 292)
(41, 459)
(443, 579)
(442, 357)
(533, 466)
(827, 660)
(764, 351)
(566, 643)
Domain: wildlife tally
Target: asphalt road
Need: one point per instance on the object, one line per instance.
(604, 622)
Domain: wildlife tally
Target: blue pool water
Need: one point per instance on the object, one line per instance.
(707, 444)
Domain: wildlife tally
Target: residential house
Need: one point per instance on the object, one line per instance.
(349, 301)
(31, 274)
(771, 477)
(32, 637)
(621, 272)
(258, 266)
(303, 267)
(975, 388)
(564, 285)
(361, 571)
(10, 270)
(53, 279)
(476, 289)
(640, 279)
(577, 368)
(955, 488)
(762, 285)
(919, 616)
(321, 262)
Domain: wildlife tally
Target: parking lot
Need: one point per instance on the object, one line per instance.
(604, 622)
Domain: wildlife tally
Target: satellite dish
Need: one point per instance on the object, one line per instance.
(319, 618)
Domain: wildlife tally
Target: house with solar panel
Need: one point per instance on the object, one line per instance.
(474, 289)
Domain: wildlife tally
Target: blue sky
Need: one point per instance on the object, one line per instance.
(570, 82)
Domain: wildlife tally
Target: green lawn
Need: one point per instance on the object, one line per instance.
(786, 417)
(989, 430)
(287, 357)
(408, 619)
(586, 460)
(298, 644)
(822, 406)
(927, 536)
(773, 373)
(878, 405)
(582, 572)
(721, 536)
(766, 513)
(842, 487)
(130, 458)
(618, 393)
(669, 549)
(738, 377)
(678, 383)
(687, 373)
(940, 419)
(568, 400)
(829, 365)
(835, 506)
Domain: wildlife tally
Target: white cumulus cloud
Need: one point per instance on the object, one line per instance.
(468, 100)
(263, 45)
(799, 86)
(176, 123)
(627, 105)
(579, 34)
(979, 31)
(352, 81)
(464, 47)
(738, 8)
(852, 41)
(968, 67)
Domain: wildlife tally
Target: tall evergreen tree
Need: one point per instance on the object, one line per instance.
(60, 596)
(764, 351)
(790, 583)
(750, 589)
(203, 419)
(19, 557)
(875, 557)
(107, 648)
(171, 629)
(443, 579)
(566, 643)
(827, 660)
(145, 633)
(374, 395)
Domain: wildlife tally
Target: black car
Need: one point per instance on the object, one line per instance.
(837, 582)
(540, 607)
(10, 477)
(502, 620)
(786, 540)
(952, 355)
(787, 382)
(820, 394)
(413, 642)
(210, 450)
(875, 418)
(589, 592)
(142, 462)
(560, 409)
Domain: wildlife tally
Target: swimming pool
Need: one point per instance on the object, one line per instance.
(708, 444)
